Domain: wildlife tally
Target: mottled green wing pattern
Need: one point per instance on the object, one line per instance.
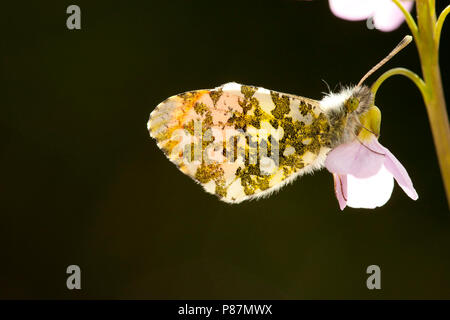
(241, 142)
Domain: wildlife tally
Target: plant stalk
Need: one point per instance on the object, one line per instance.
(428, 49)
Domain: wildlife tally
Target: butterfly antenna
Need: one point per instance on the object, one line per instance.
(328, 86)
(406, 40)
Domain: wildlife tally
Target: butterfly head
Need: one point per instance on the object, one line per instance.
(358, 101)
(345, 110)
(349, 101)
(351, 104)
(362, 113)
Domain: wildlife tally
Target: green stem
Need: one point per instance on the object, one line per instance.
(433, 8)
(409, 20)
(404, 72)
(435, 100)
(427, 37)
(439, 25)
(437, 114)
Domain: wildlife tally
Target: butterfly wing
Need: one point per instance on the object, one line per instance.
(241, 142)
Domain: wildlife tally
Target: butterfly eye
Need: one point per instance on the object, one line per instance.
(351, 104)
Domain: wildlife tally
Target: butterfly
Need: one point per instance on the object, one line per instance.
(243, 142)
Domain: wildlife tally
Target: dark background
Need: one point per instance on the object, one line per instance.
(83, 183)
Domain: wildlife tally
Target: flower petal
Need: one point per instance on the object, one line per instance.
(370, 192)
(340, 188)
(353, 9)
(399, 172)
(360, 159)
(388, 16)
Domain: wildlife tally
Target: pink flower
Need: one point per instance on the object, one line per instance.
(364, 173)
(386, 15)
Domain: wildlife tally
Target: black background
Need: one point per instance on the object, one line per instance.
(83, 183)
